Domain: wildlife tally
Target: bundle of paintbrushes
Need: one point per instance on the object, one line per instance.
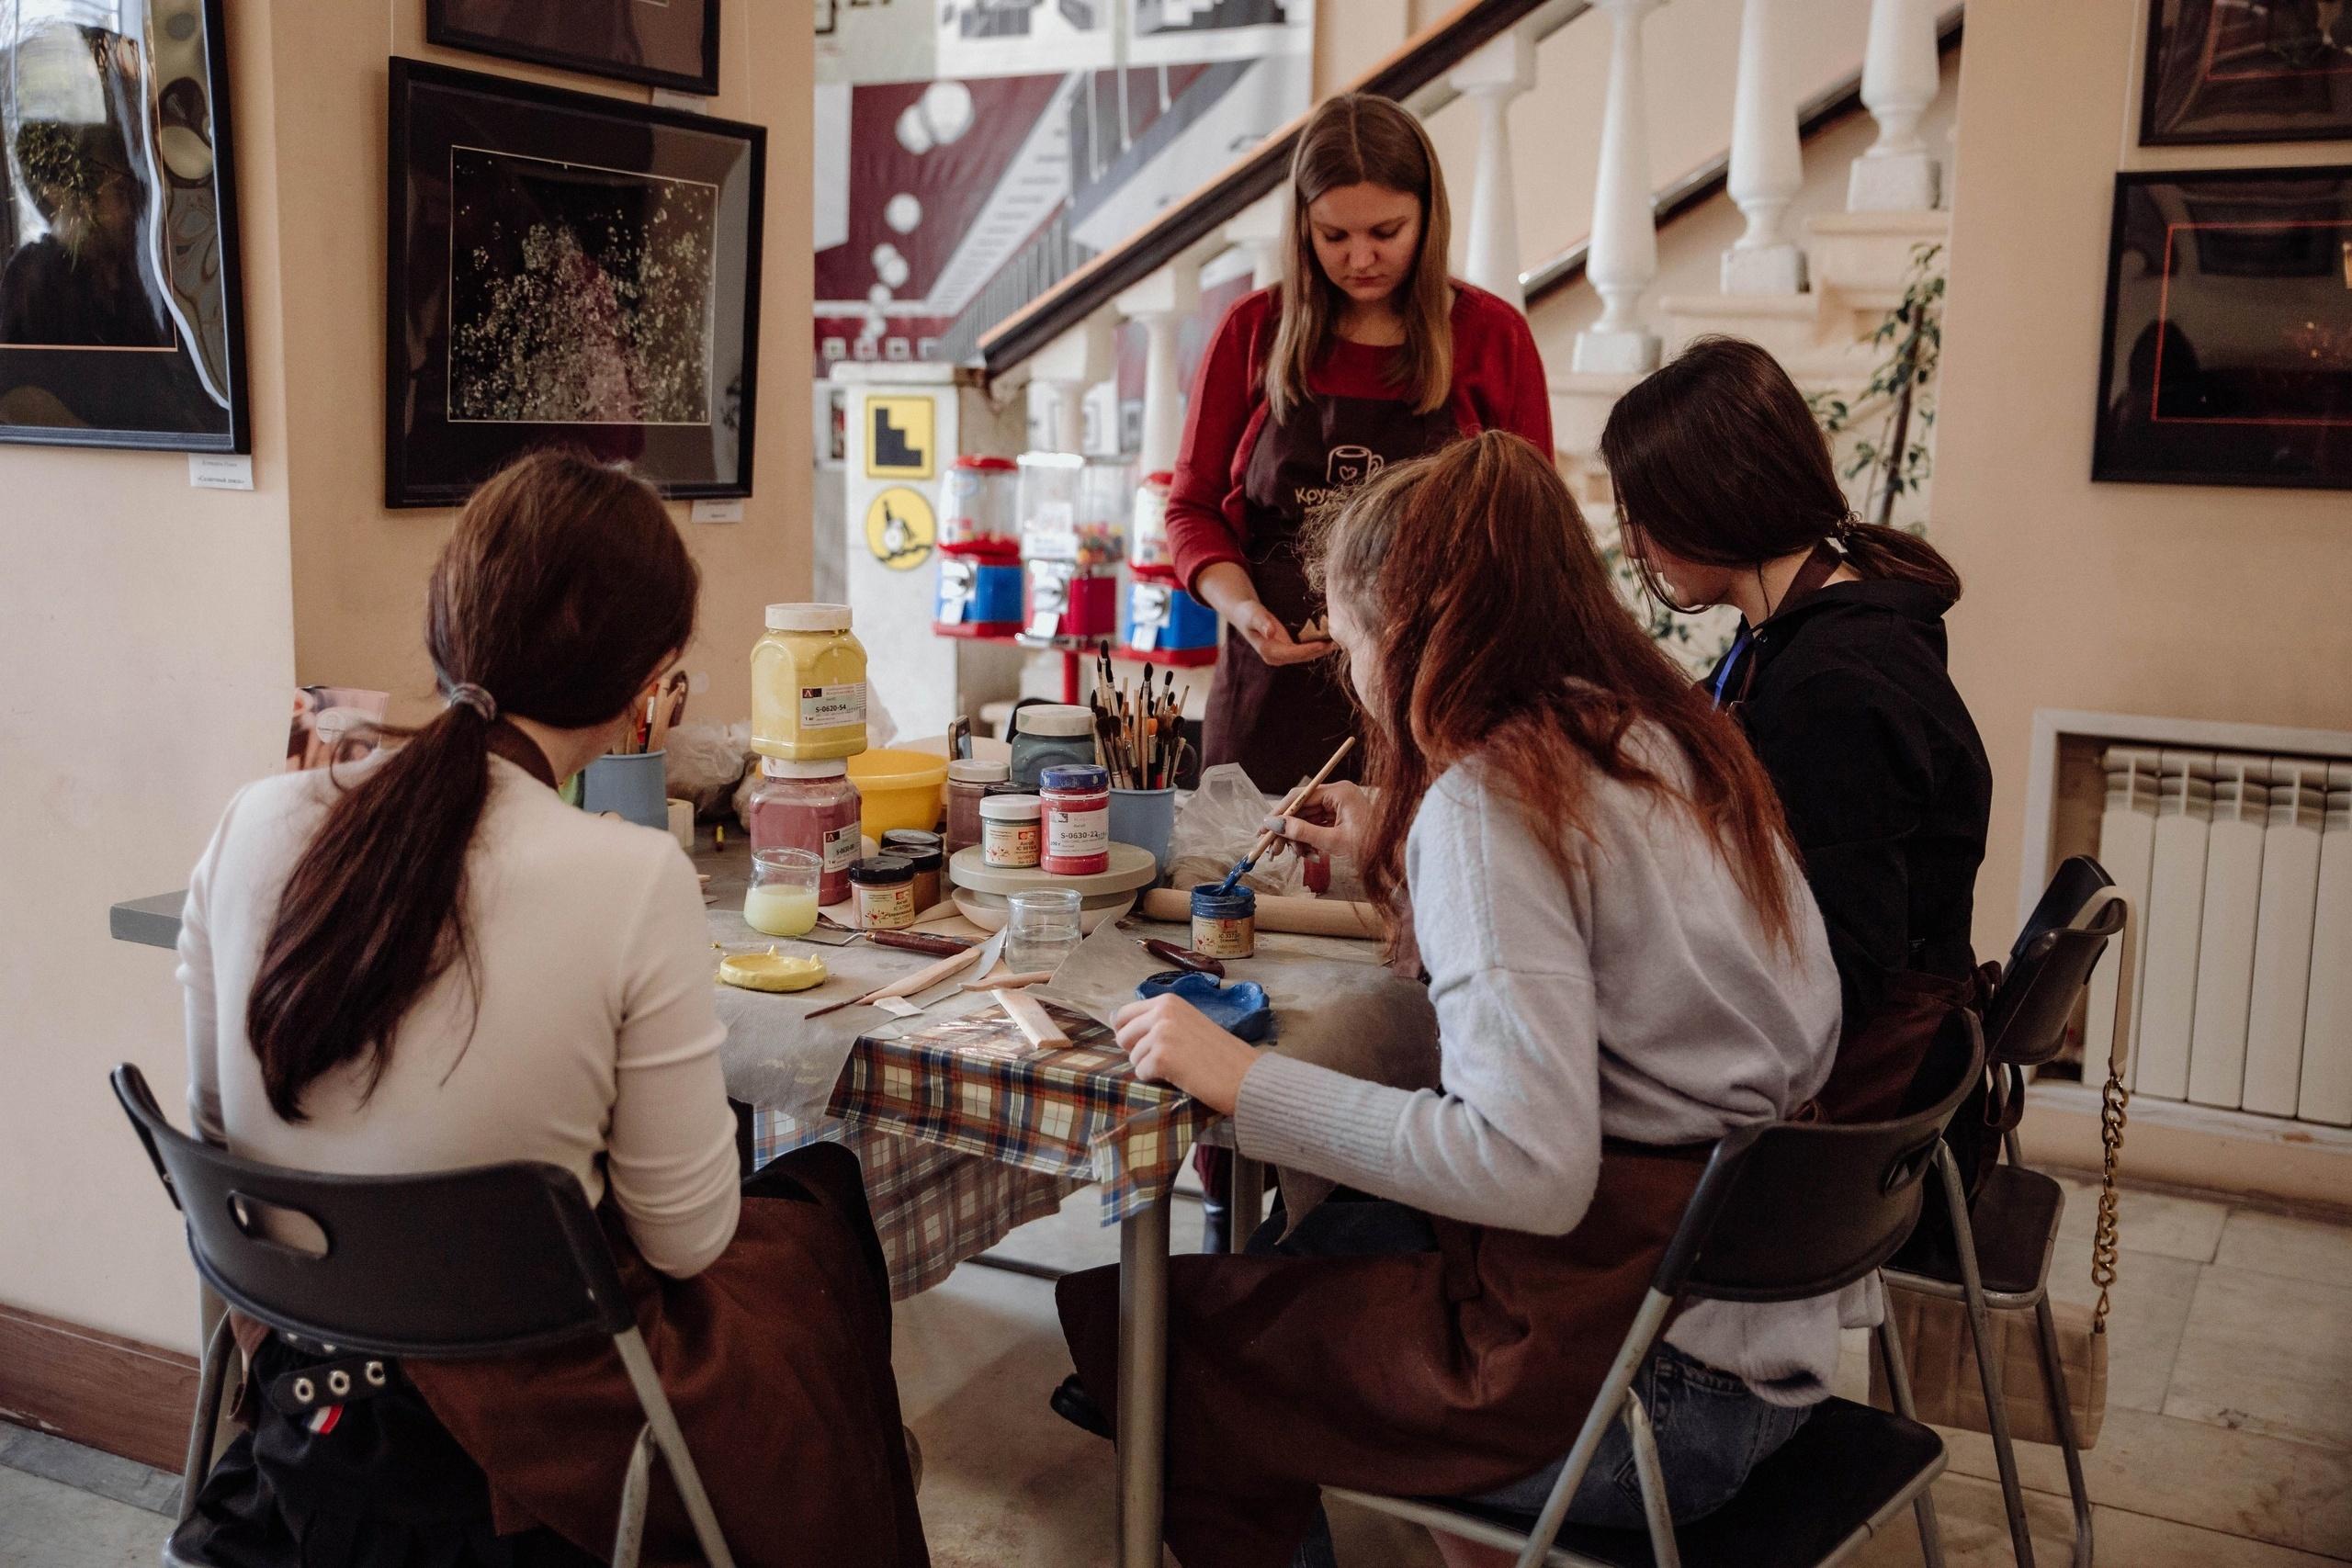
(1138, 726)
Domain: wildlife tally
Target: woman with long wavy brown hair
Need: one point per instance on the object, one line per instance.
(1624, 965)
(428, 961)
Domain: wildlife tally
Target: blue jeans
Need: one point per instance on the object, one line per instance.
(1712, 1430)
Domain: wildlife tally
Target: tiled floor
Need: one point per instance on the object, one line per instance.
(2228, 1437)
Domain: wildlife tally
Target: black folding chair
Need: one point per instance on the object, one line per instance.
(1784, 1211)
(493, 1261)
(2011, 1224)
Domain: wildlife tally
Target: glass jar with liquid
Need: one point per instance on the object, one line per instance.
(781, 897)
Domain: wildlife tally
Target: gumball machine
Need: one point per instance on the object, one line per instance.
(1070, 509)
(980, 551)
(1159, 618)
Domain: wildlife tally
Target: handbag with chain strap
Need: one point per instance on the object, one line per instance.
(1937, 1347)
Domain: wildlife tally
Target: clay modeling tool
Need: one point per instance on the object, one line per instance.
(920, 942)
(1036, 1025)
(1266, 839)
(920, 979)
(1008, 982)
(1182, 958)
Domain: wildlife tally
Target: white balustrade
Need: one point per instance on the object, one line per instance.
(1159, 303)
(1900, 72)
(1260, 231)
(1767, 164)
(1622, 258)
(1065, 370)
(1498, 71)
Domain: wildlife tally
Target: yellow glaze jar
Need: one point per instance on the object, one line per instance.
(807, 685)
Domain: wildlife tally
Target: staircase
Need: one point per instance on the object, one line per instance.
(1809, 288)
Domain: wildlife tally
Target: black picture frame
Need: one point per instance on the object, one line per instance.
(162, 364)
(560, 32)
(2226, 351)
(567, 269)
(2221, 73)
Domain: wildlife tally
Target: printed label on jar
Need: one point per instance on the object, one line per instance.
(1009, 844)
(841, 848)
(1224, 938)
(1074, 835)
(886, 908)
(833, 707)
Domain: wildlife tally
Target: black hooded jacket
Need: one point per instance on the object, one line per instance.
(1881, 772)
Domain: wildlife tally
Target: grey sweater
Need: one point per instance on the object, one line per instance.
(1636, 996)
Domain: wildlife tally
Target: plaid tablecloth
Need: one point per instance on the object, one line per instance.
(966, 1130)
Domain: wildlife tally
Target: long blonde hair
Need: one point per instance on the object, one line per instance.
(1357, 138)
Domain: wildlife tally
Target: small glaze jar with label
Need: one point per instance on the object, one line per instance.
(1078, 821)
(921, 850)
(967, 785)
(1224, 925)
(1008, 830)
(884, 886)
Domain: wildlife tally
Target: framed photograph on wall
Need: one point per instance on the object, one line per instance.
(2227, 358)
(664, 43)
(121, 320)
(2226, 71)
(567, 269)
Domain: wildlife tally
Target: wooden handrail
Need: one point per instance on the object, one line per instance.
(1417, 64)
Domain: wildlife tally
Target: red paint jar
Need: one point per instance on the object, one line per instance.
(812, 807)
(1078, 821)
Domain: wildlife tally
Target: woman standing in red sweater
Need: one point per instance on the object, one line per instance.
(1365, 354)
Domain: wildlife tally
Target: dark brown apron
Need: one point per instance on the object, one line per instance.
(1449, 1373)
(1282, 723)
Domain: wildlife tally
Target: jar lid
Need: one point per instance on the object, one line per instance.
(782, 768)
(808, 617)
(1012, 808)
(994, 465)
(916, 855)
(1053, 719)
(883, 871)
(911, 840)
(1076, 778)
(973, 770)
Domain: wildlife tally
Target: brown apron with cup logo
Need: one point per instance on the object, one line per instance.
(1282, 723)
(1447, 1373)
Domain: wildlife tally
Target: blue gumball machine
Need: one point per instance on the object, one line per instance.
(1159, 619)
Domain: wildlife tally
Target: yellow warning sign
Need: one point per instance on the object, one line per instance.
(900, 528)
(900, 438)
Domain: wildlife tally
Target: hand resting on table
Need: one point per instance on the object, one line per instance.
(1169, 1042)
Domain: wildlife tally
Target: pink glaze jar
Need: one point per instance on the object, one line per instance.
(812, 807)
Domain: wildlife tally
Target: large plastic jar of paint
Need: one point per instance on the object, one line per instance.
(1050, 735)
(807, 685)
(812, 807)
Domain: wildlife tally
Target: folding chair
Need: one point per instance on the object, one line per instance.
(493, 1261)
(1784, 1211)
(2010, 1226)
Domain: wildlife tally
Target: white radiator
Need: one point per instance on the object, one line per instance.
(2242, 866)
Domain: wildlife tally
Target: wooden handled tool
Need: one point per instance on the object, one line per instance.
(1035, 1023)
(1290, 803)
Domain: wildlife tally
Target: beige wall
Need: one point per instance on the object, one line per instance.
(157, 631)
(360, 569)
(148, 630)
(2201, 602)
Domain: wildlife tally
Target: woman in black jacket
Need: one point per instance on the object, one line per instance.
(1727, 495)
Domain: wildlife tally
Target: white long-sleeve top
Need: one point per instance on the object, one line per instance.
(1636, 996)
(595, 1047)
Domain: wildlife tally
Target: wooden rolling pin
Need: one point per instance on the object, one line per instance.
(1304, 917)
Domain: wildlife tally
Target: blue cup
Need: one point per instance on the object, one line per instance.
(630, 785)
(1146, 819)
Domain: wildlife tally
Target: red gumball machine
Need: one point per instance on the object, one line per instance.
(1071, 511)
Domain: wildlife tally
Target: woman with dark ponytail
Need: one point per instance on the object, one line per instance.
(1727, 495)
(428, 961)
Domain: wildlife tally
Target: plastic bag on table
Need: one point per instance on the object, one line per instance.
(1217, 827)
(705, 761)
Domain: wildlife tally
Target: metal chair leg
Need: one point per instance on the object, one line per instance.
(204, 1423)
(2062, 1416)
(1888, 1340)
(1656, 1508)
(628, 1536)
(662, 1424)
(1979, 1329)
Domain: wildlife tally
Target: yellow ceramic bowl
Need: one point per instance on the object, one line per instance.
(898, 789)
(771, 971)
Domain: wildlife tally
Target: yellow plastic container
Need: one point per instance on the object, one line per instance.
(807, 685)
(898, 789)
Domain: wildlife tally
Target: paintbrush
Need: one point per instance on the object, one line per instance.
(1266, 839)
